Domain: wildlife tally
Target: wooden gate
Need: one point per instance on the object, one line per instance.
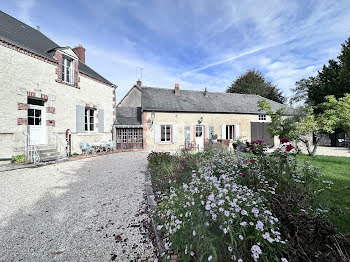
(259, 132)
(129, 138)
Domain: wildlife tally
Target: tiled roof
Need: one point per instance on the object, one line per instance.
(128, 116)
(26, 37)
(161, 99)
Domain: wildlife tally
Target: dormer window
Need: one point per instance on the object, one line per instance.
(67, 70)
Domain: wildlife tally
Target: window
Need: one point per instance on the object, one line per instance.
(165, 133)
(229, 131)
(262, 117)
(89, 119)
(34, 117)
(67, 70)
(199, 131)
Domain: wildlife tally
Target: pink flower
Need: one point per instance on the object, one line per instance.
(284, 140)
(251, 160)
(289, 147)
(241, 174)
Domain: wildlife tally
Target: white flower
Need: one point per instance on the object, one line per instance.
(244, 213)
(159, 227)
(227, 213)
(240, 237)
(243, 223)
(229, 248)
(284, 259)
(240, 260)
(259, 225)
(194, 233)
(210, 258)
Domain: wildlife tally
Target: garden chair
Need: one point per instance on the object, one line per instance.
(110, 145)
(103, 145)
(89, 149)
(82, 146)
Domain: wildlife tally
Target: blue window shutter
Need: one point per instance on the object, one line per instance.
(237, 131)
(101, 123)
(175, 136)
(223, 131)
(156, 134)
(187, 133)
(80, 119)
(211, 131)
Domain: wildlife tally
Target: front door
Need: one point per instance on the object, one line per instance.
(36, 125)
(199, 137)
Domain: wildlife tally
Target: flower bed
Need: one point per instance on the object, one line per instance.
(216, 206)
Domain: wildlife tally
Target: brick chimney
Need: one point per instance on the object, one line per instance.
(205, 92)
(80, 52)
(177, 89)
(139, 82)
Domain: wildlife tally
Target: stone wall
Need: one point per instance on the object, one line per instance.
(191, 119)
(22, 75)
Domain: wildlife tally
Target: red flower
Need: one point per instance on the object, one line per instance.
(259, 141)
(251, 160)
(241, 174)
(289, 147)
(284, 140)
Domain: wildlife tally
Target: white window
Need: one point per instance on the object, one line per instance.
(89, 119)
(229, 131)
(67, 70)
(165, 133)
(262, 117)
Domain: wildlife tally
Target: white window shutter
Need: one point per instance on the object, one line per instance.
(156, 134)
(223, 131)
(175, 136)
(237, 131)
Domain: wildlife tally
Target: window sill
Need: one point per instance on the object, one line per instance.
(165, 143)
(88, 133)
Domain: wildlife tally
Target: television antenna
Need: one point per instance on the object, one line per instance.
(141, 71)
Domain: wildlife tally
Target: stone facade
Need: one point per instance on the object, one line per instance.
(180, 120)
(23, 76)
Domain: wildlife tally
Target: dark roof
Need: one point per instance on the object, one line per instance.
(161, 99)
(128, 116)
(26, 37)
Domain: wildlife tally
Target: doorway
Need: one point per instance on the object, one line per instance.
(36, 121)
(200, 137)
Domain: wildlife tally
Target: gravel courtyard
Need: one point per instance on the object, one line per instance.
(85, 210)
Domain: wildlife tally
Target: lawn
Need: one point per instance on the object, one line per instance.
(336, 169)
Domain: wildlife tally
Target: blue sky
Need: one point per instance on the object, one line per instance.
(194, 43)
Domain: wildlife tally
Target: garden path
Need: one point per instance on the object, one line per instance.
(85, 210)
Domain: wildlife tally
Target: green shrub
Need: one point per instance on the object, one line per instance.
(18, 159)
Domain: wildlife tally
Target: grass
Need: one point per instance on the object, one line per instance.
(336, 169)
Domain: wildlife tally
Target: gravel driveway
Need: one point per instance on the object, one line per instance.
(85, 210)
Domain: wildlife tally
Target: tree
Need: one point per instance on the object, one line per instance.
(337, 112)
(333, 79)
(253, 82)
(299, 126)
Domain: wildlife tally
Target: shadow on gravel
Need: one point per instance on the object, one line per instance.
(93, 213)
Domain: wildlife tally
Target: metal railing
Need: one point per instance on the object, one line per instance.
(60, 145)
(30, 151)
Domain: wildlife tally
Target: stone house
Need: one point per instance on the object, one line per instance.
(162, 119)
(48, 93)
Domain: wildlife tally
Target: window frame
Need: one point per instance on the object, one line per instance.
(89, 123)
(165, 137)
(230, 132)
(68, 72)
(262, 117)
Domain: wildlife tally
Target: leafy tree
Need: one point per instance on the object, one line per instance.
(337, 112)
(333, 79)
(253, 82)
(299, 126)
